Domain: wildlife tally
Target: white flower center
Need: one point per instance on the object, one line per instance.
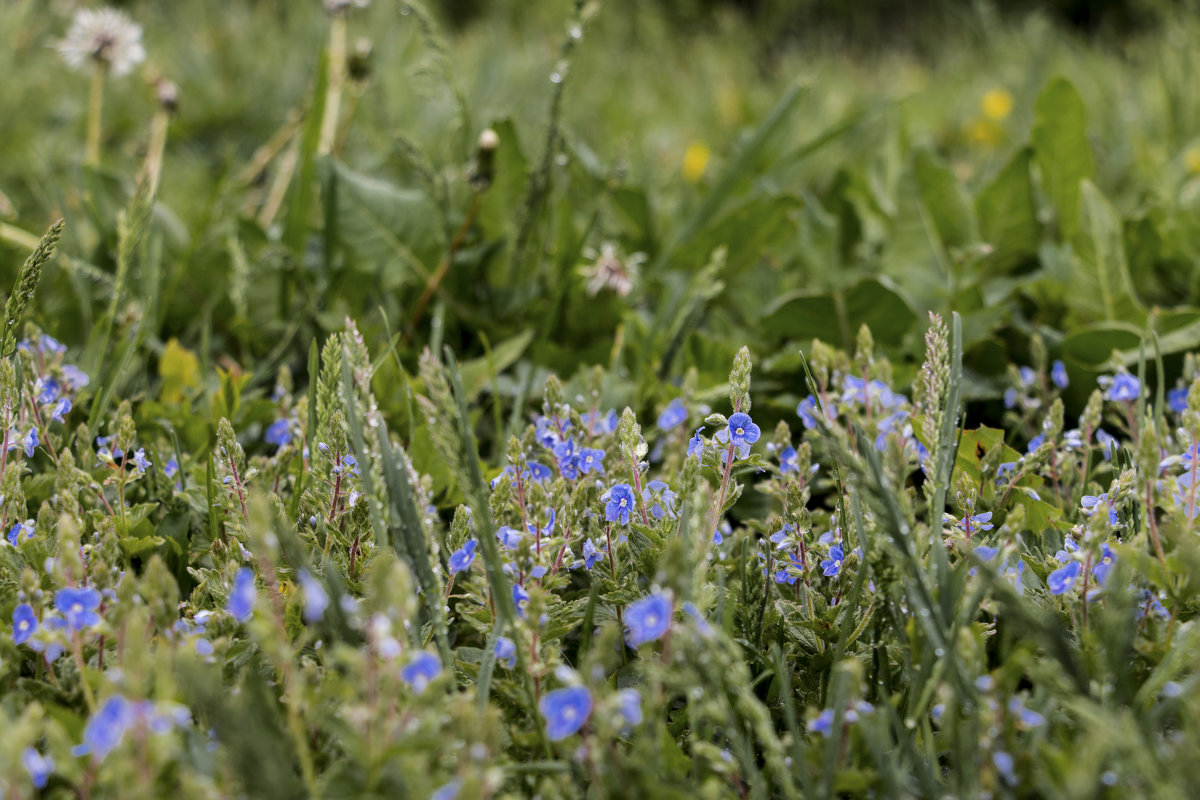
(741, 431)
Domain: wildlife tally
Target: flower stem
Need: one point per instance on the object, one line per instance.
(337, 77)
(95, 111)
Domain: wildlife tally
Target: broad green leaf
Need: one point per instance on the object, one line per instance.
(1094, 345)
(382, 228)
(945, 201)
(872, 302)
(1062, 149)
(510, 171)
(179, 369)
(478, 372)
(747, 231)
(1008, 217)
(1101, 288)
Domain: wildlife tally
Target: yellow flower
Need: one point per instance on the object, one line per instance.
(1191, 160)
(997, 104)
(695, 161)
(984, 131)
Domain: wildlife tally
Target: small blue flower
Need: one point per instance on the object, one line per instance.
(673, 415)
(696, 444)
(241, 599)
(316, 600)
(1105, 565)
(1090, 502)
(17, 530)
(1004, 766)
(506, 651)
(741, 433)
(620, 503)
(420, 670)
(979, 522)
(448, 791)
(629, 704)
(1177, 399)
(105, 729)
(278, 433)
(78, 607)
(648, 619)
(140, 460)
(807, 411)
(664, 505)
(1058, 374)
(61, 409)
(823, 724)
(566, 711)
(38, 766)
(1121, 388)
(1035, 443)
(510, 538)
(31, 442)
(568, 459)
(1063, 578)
(832, 566)
(47, 390)
(590, 554)
(540, 472)
(520, 597)
(702, 626)
(787, 460)
(1010, 397)
(591, 460)
(25, 623)
(1028, 376)
(461, 559)
(171, 467)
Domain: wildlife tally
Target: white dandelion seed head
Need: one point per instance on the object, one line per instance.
(340, 6)
(611, 271)
(105, 37)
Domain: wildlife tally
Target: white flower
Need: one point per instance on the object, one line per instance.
(107, 37)
(338, 6)
(610, 271)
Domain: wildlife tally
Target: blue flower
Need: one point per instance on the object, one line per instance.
(448, 791)
(519, 597)
(47, 390)
(823, 724)
(664, 505)
(1107, 442)
(171, 467)
(832, 566)
(1004, 766)
(15, 532)
(1058, 374)
(1177, 399)
(620, 503)
(61, 409)
(696, 444)
(31, 442)
(590, 460)
(787, 460)
(590, 554)
(629, 704)
(1090, 502)
(140, 460)
(461, 559)
(1027, 375)
(1010, 397)
(105, 729)
(673, 415)
(1063, 578)
(278, 433)
(422, 668)
(741, 433)
(566, 711)
(540, 472)
(510, 538)
(25, 623)
(648, 619)
(78, 607)
(241, 599)
(1035, 443)
(1121, 388)
(702, 626)
(1105, 565)
(568, 459)
(38, 766)
(506, 651)
(979, 522)
(316, 600)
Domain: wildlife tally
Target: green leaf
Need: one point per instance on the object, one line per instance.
(747, 231)
(381, 228)
(1007, 215)
(1094, 345)
(1101, 284)
(1062, 150)
(873, 302)
(300, 196)
(945, 200)
(477, 373)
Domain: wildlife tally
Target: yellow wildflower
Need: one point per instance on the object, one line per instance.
(695, 161)
(997, 104)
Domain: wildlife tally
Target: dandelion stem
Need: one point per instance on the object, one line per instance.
(95, 112)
